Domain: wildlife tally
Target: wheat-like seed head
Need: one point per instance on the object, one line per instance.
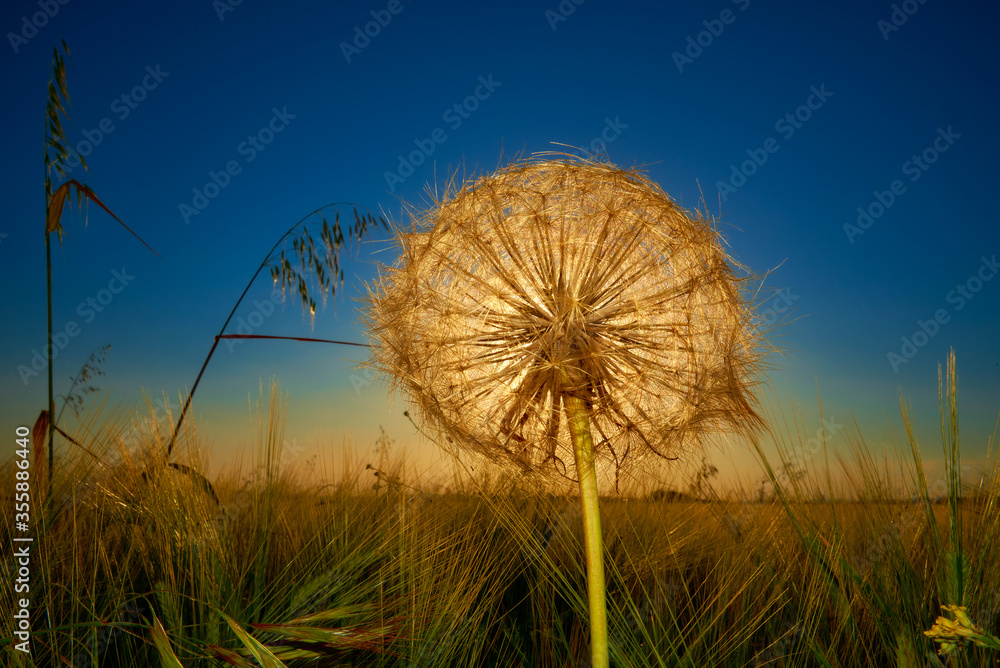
(563, 276)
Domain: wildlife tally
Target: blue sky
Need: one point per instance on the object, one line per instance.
(790, 119)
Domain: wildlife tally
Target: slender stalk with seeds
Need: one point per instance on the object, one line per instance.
(91, 368)
(57, 154)
(312, 265)
(565, 308)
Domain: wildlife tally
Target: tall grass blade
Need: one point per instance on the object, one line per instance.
(167, 657)
(259, 651)
(955, 563)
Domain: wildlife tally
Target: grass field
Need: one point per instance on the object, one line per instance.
(377, 569)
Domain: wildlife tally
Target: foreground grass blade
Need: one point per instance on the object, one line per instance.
(230, 657)
(333, 613)
(366, 637)
(260, 652)
(167, 657)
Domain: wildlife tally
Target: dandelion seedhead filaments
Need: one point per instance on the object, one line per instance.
(563, 306)
(563, 278)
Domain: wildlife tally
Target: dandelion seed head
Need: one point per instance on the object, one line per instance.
(556, 277)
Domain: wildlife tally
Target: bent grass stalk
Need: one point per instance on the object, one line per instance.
(316, 268)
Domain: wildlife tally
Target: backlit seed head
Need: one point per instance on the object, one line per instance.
(561, 276)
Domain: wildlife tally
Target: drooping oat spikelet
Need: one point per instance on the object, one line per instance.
(556, 278)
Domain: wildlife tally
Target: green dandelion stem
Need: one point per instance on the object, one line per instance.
(583, 448)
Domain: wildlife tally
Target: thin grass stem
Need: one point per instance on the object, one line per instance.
(357, 230)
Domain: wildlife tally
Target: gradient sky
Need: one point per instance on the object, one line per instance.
(853, 104)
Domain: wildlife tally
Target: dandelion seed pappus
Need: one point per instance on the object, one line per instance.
(562, 264)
